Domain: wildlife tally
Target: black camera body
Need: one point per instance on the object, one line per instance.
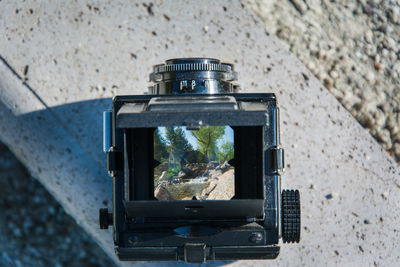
(173, 155)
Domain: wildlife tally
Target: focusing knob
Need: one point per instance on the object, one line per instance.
(290, 216)
(105, 218)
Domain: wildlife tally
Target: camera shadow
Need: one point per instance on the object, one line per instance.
(63, 146)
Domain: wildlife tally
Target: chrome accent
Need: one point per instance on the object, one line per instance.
(107, 138)
(193, 76)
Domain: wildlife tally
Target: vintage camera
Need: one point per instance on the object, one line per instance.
(196, 169)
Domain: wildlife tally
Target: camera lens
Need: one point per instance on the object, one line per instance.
(193, 76)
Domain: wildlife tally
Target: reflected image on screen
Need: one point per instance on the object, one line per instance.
(194, 163)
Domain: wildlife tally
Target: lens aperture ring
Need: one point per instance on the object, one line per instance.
(193, 75)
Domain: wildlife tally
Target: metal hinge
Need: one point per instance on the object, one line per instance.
(115, 160)
(274, 160)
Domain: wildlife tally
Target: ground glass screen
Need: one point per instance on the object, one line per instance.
(194, 163)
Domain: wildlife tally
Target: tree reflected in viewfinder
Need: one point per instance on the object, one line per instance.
(194, 164)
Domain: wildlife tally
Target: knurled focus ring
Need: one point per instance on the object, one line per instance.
(192, 67)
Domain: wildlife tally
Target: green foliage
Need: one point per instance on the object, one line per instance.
(226, 153)
(177, 140)
(173, 171)
(178, 145)
(207, 139)
(174, 147)
(194, 157)
(160, 147)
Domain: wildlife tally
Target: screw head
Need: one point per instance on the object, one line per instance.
(256, 237)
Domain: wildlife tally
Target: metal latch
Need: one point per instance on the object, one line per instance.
(195, 252)
(274, 160)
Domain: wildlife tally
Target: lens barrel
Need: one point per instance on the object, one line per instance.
(193, 76)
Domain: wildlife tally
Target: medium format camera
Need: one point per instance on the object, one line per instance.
(196, 169)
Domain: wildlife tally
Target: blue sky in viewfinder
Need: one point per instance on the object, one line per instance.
(227, 137)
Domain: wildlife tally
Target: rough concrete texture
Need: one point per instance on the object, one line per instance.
(79, 54)
(359, 65)
(34, 228)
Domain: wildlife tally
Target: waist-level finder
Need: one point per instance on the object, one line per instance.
(196, 169)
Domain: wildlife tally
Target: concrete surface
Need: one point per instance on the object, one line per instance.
(34, 228)
(358, 64)
(79, 54)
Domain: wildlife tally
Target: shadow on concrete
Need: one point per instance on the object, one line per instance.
(64, 143)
